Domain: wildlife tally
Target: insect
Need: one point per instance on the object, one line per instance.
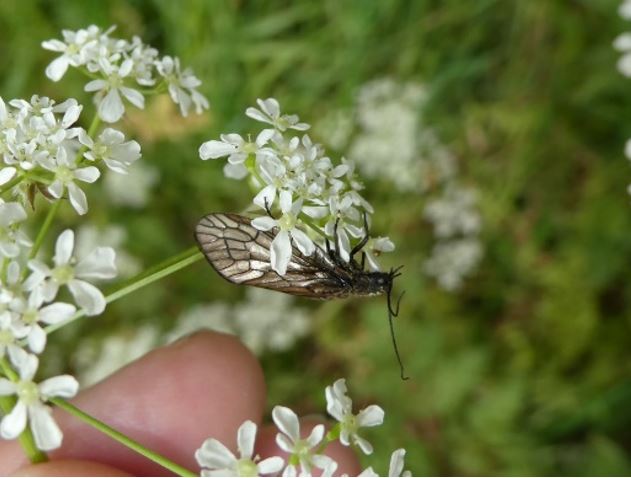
(240, 253)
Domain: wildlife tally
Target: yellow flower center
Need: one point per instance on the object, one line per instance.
(247, 467)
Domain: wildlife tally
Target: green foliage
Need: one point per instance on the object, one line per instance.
(527, 369)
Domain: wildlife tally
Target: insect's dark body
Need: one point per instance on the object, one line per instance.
(241, 254)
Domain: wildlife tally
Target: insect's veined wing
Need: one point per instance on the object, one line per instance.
(240, 253)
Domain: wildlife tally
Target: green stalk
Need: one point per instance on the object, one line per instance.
(121, 438)
(52, 212)
(27, 442)
(151, 275)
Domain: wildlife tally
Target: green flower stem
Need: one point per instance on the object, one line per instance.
(151, 275)
(121, 438)
(27, 442)
(52, 212)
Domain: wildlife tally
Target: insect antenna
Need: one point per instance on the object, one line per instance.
(391, 314)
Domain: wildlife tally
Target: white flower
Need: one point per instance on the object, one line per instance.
(397, 464)
(270, 113)
(280, 250)
(182, 85)
(234, 146)
(112, 149)
(108, 98)
(217, 460)
(66, 173)
(67, 271)
(30, 406)
(73, 50)
(301, 449)
(32, 311)
(340, 407)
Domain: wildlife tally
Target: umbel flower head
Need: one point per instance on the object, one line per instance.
(43, 150)
(122, 70)
(300, 193)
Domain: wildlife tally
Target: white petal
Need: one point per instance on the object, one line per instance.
(326, 464)
(369, 473)
(213, 454)
(99, 264)
(245, 439)
(267, 195)
(36, 339)
(285, 201)
(111, 108)
(271, 465)
(57, 68)
(235, 171)
(14, 423)
(64, 386)
(364, 445)
(256, 115)
(6, 387)
(287, 422)
(135, 97)
(280, 252)
(88, 174)
(215, 149)
(302, 241)
(56, 189)
(87, 296)
(57, 312)
(95, 85)
(25, 363)
(77, 198)
(396, 462)
(315, 436)
(370, 416)
(45, 430)
(6, 174)
(263, 223)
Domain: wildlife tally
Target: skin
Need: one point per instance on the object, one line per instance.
(170, 400)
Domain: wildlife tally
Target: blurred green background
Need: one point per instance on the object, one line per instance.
(527, 368)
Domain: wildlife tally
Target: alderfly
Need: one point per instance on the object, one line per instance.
(240, 253)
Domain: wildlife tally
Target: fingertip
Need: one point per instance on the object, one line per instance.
(170, 401)
(69, 468)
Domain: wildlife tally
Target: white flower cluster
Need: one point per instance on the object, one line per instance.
(41, 148)
(122, 70)
(293, 177)
(457, 224)
(28, 304)
(305, 450)
(265, 321)
(391, 140)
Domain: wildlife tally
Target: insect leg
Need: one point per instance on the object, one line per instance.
(394, 340)
(364, 240)
(363, 260)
